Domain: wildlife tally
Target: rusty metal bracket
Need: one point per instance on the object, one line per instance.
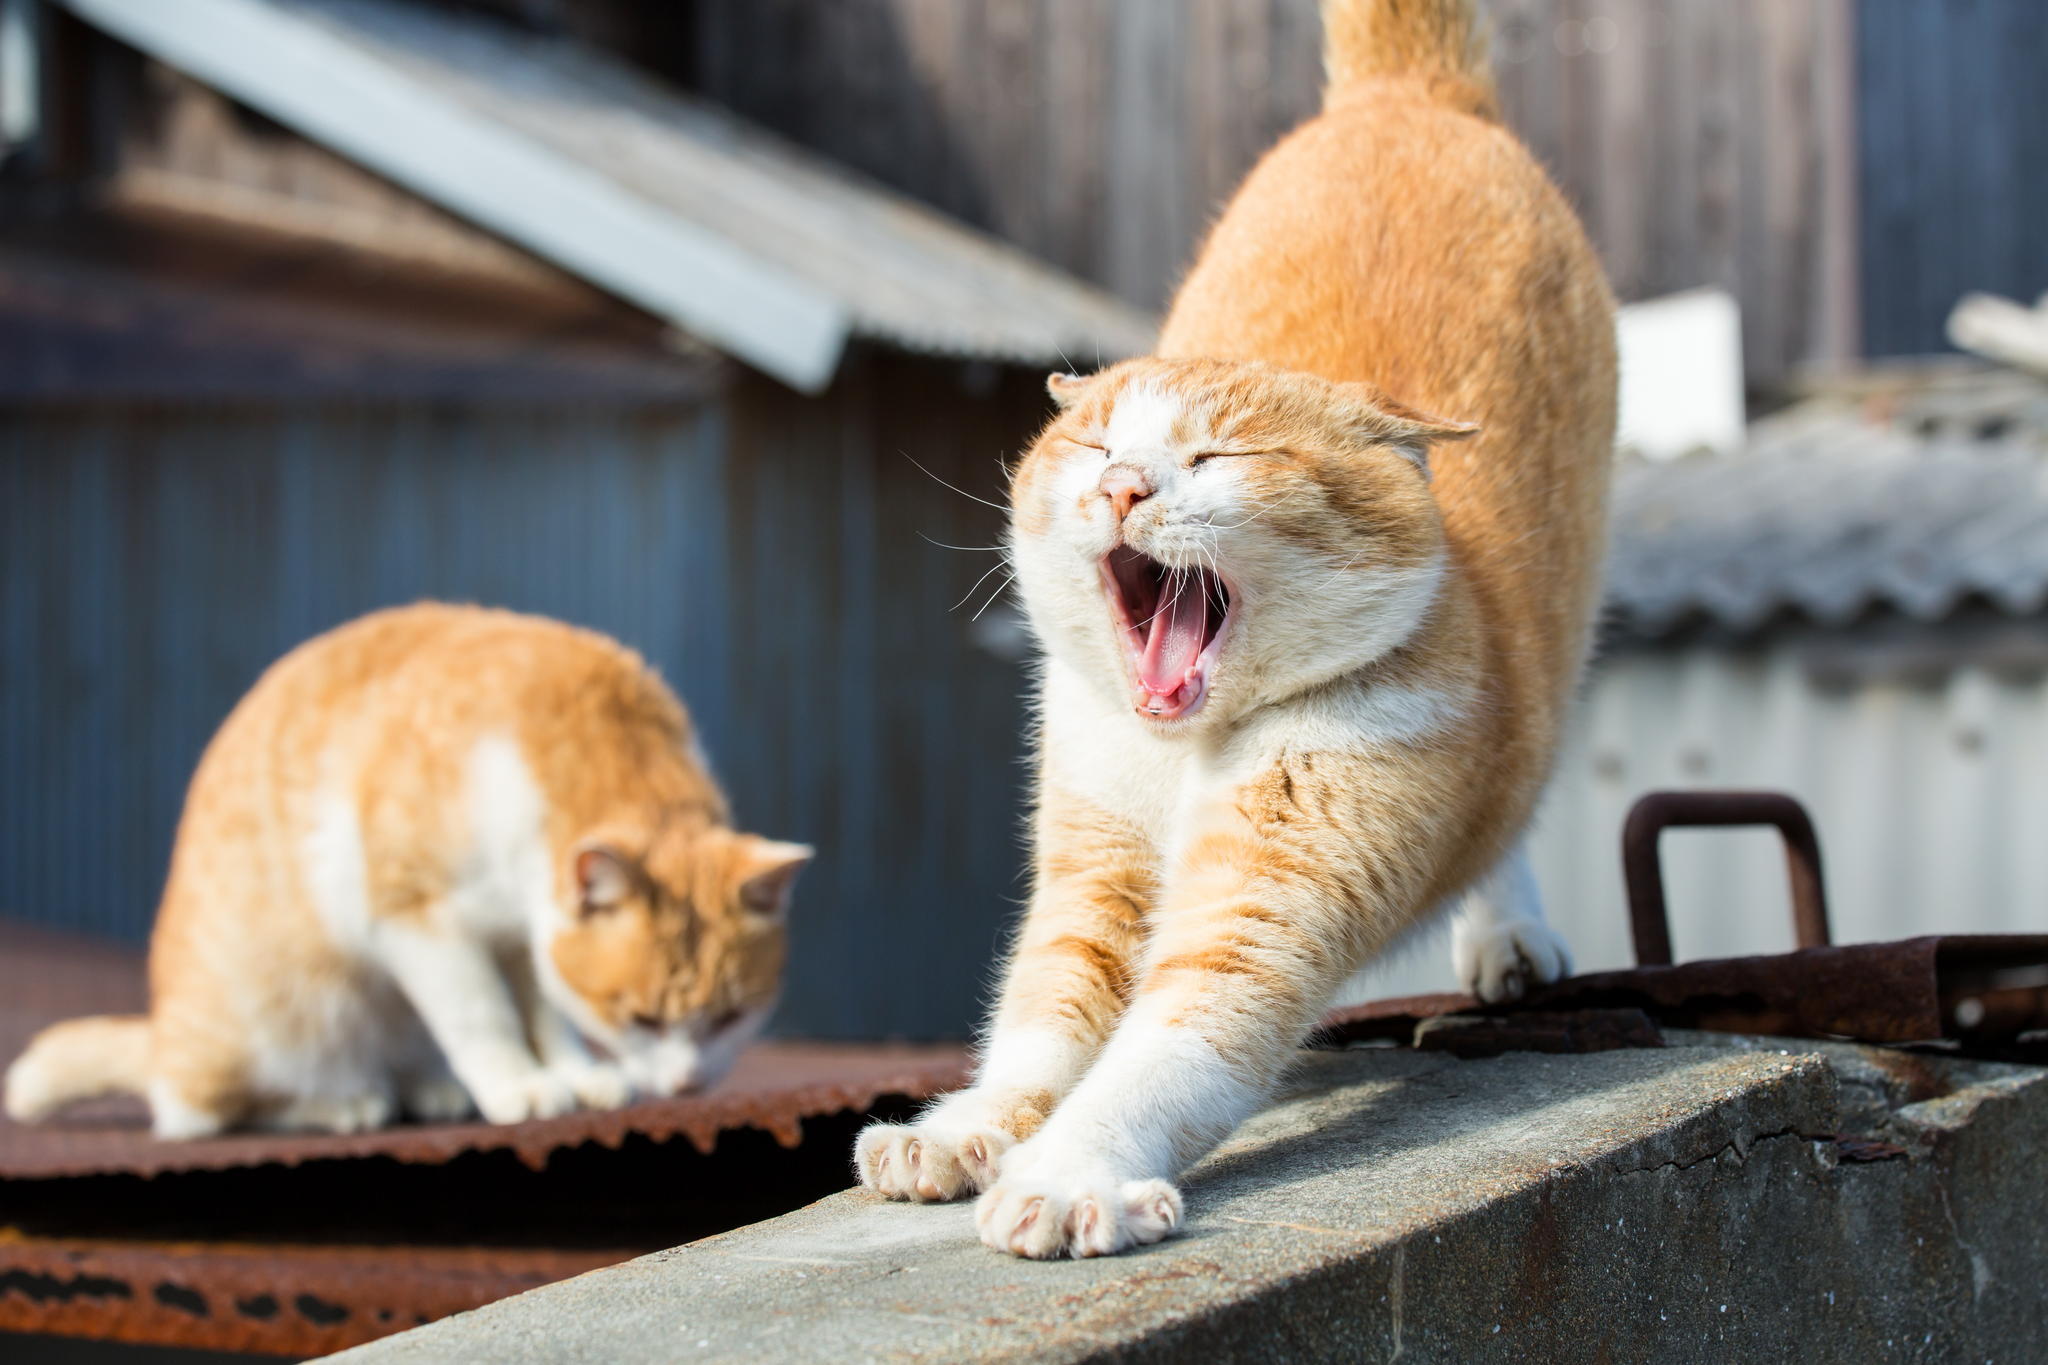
(1655, 812)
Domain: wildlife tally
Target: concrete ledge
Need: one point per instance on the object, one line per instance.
(1677, 1204)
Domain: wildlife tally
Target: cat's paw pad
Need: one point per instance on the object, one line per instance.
(927, 1162)
(595, 1085)
(1042, 1216)
(1506, 961)
(515, 1099)
(440, 1099)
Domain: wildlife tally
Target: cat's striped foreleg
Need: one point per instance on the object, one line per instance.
(1065, 987)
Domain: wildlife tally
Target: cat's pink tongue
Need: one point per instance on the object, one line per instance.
(1174, 642)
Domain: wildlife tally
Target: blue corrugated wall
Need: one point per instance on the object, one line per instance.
(153, 561)
(1952, 121)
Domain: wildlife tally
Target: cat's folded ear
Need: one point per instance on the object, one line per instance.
(1065, 389)
(1408, 432)
(604, 877)
(765, 871)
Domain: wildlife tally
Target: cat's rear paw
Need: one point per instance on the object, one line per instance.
(1505, 961)
(437, 1099)
(1042, 1216)
(332, 1114)
(928, 1162)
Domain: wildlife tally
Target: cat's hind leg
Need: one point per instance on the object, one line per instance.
(427, 1089)
(1500, 946)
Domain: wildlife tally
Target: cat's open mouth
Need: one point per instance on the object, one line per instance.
(1172, 623)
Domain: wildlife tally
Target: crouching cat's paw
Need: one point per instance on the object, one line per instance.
(929, 1161)
(333, 1114)
(1506, 960)
(437, 1099)
(532, 1095)
(1043, 1215)
(594, 1084)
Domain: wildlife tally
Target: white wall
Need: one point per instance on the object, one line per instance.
(1932, 806)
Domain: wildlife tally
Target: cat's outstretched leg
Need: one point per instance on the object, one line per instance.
(1500, 946)
(1286, 885)
(461, 994)
(1066, 984)
(1243, 962)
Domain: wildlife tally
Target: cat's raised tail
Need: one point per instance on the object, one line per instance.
(79, 1059)
(1438, 42)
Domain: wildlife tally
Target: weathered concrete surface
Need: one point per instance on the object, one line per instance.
(1682, 1204)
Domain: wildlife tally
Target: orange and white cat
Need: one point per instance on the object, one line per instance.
(1307, 649)
(428, 856)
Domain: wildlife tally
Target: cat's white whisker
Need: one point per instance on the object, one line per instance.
(943, 484)
(1000, 589)
(996, 567)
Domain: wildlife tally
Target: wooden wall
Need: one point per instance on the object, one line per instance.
(1705, 143)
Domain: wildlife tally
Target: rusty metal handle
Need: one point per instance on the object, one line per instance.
(1643, 872)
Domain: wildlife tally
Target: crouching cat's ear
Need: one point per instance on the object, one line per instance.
(1408, 432)
(604, 877)
(765, 871)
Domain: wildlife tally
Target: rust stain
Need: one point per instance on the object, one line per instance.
(286, 1300)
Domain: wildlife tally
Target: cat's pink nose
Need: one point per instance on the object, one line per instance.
(1126, 488)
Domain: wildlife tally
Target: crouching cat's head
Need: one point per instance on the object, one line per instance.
(670, 948)
(1207, 536)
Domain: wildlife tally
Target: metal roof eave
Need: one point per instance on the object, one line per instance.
(313, 81)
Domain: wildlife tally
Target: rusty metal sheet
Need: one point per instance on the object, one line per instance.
(285, 1300)
(776, 1086)
(1976, 989)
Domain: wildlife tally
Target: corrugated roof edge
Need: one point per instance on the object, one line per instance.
(303, 67)
(1829, 518)
(822, 1079)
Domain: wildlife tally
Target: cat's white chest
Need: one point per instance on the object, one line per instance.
(1111, 759)
(500, 870)
(504, 879)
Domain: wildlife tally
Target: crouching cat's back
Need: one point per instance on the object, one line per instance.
(425, 858)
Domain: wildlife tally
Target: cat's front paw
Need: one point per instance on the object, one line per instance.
(594, 1084)
(1045, 1214)
(514, 1099)
(1505, 961)
(929, 1160)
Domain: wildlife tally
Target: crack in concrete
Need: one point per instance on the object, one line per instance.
(1742, 1153)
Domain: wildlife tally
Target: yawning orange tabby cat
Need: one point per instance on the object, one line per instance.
(1307, 648)
(425, 857)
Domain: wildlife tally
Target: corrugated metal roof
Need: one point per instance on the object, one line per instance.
(776, 1086)
(675, 204)
(1828, 515)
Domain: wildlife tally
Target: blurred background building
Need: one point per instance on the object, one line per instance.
(687, 319)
